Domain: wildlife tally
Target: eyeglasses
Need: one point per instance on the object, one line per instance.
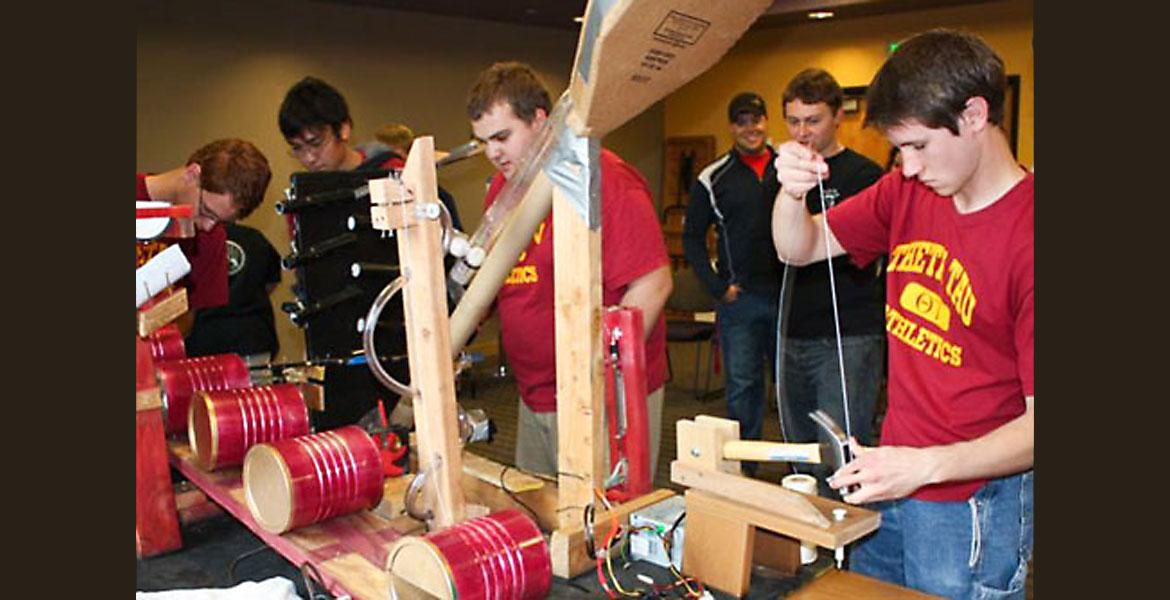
(205, 212)
(309, 146)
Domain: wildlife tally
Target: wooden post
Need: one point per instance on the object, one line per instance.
(424, 301)
(580, 382)
(156, 521)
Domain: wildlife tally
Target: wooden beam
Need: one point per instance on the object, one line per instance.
(424, 300)
(857, 523)
(580, 382)
(766, 496)
(567, 547)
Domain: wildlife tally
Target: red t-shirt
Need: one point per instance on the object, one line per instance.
(959, 316)
(207, 283)
(632, 246)
(757, 162)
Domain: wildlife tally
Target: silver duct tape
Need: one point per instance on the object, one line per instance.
(574, 165)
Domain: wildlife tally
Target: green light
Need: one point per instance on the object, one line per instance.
(893, 46)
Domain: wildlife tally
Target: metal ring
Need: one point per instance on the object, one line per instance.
(372, 360)
(411, 498)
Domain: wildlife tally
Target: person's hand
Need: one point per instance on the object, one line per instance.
(797, 169)
(731, 294)
(884, 472)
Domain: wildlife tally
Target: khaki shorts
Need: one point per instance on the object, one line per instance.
(536, 436)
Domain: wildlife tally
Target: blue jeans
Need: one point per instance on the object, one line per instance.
(747, 338)
(811, 379)
(977, 549)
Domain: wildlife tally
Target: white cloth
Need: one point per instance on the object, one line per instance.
(276, 588)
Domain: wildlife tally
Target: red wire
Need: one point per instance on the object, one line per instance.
(600, 573)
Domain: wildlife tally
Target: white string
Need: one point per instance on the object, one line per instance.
(833, 297)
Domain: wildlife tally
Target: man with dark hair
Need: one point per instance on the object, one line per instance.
(314, 119)
(811, 374)
(224, 181)
(735, 194)
(953, 474)
(507, 106)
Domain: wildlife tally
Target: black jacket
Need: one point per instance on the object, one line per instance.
(742, 216)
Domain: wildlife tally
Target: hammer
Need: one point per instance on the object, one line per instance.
(714, 442)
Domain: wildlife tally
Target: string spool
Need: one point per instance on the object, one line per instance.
(180, 379)
(500, 555)
(303, 480)
(805, 484)
(223, 424)
(166, 344)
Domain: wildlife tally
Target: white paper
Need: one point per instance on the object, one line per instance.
(166, 268)
(148, 229)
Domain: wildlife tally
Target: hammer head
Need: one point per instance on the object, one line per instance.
(837, 452)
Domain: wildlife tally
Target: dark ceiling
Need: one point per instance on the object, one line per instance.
(559, 13)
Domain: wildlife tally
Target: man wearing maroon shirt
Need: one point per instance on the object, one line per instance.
(224, 181)
(507, 106)
(952, 476)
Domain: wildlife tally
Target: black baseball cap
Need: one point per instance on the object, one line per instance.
(746, 102)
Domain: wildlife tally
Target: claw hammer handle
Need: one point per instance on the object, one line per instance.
(771, 451)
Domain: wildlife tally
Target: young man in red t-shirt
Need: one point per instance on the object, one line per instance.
(507, 106)
(953, 473)
(225, 181)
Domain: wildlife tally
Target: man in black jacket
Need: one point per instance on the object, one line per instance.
(735, 194)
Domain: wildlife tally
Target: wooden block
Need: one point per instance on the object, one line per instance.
(844, 585)
(700, 442)
(718, 548)
(162, 309)
(156, 522)
(567, 547)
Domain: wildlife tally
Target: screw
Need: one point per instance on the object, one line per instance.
(839, 514)
(695, 452)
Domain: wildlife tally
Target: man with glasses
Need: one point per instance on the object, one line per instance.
(223, 181)
(314, 119)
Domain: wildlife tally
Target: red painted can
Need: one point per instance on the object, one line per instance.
(222, 425)
(180, 379)
(166, 344)
(304, 480)
(498, 556)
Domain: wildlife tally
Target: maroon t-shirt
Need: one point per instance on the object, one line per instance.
(631, 245)
(958, 310)
(207, 283)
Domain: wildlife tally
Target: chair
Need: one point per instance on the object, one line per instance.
(688, 298)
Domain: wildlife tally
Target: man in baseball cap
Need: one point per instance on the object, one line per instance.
(734, 195)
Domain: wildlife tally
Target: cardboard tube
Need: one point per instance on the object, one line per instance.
(513, 240)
